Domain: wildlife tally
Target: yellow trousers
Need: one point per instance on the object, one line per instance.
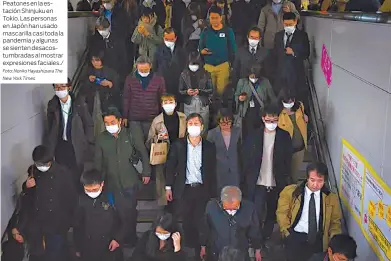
(220, 75)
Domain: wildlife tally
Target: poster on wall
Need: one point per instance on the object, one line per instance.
(368, 198)
(376, 221)
(352, 177)
(326, 65)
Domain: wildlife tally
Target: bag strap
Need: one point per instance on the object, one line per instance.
(110, 198)
(256, 95)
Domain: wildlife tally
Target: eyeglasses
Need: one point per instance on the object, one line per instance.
(225, 123)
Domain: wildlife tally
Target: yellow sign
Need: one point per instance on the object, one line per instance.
(381, 210)
(382, 241)
(388, 217)
(371, 209)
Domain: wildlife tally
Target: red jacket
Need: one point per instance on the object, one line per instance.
(140, 104)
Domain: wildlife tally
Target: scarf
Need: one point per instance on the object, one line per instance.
(144, 80)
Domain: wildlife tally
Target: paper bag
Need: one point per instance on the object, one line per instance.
(158, 153)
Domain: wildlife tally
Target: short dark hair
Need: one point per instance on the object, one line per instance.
(255, 29)
(224, 113)
(319, 167)
(95, 52)
(42, 154)
(112, 111)
(287, 93)
(91, 177)
(195, 115)
(289, 16)
(271, 109)
(345, 245)
(220, 1)
(231, 254)
(216, 10)
(68, 83)
(169, 30)
(146, 11)
(102, 21)
(255, 69)
(195, 58)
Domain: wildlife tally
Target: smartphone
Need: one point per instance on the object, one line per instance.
(99, 80)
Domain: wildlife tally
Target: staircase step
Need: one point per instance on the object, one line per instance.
(148, 205)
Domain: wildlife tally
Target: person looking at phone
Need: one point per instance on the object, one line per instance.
(195, 85)
(217, 46)
(251, 94)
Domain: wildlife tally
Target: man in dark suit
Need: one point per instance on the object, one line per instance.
(191, 178)
(267, 166)
(291, 49)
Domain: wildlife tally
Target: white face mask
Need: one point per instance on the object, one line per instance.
(143, 74)
(108, 6)
(232, 212)
(253, 43)
(288, 105)
(194, 131)
(194, 67)
(162, 236)
(113, 129)
(169, 108)
(194, 17)
(289, 29)
(169, 44)
(271, 126)
(43, 168)
(62, 94)
(253, 80)
(93, 194)
(104, 33)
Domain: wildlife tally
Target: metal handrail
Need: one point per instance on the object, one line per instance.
(380, 18)
(75, 14)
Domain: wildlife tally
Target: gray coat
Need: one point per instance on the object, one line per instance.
(228, 169)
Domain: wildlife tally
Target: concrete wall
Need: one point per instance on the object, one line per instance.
(357, 106)
(22, 121)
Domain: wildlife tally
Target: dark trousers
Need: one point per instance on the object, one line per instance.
(264, 200)
(56, 247)
(298, 249)
(65, 155)
(192, 207)
(101, 253)
(130, 197)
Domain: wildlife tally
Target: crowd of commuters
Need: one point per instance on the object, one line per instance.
(214, 108)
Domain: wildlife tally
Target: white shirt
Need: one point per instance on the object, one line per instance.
(286, 37)
(65, 109)
(302, 225)
(194, 163)
(255, 48)
(266, 176)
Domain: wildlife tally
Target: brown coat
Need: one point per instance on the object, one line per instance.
(289, 207)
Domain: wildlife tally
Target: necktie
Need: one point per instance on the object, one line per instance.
(288, 39)
(252, 51)
(312, 224)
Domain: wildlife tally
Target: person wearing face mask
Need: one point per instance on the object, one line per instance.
(163, 242)
(113, 48)
(291, 49)
(148, 34)
(168, 126)
(120, 174)
(251, 94)
(195, 85)
(169, 60)
(249, 54)
(341, 248)
(70, 134)
(293, 120)
(156, 7)
(230, 222)
(100, 222)
(192, 25)
(309, 215)
(54, 201)
(191, 178)
(267, 167)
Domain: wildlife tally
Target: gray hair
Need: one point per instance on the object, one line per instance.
(143, 59)
(231, 193)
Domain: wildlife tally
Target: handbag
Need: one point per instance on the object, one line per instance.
(158, 154)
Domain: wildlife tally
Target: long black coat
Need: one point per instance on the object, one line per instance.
(290, 69)
(177, 163)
